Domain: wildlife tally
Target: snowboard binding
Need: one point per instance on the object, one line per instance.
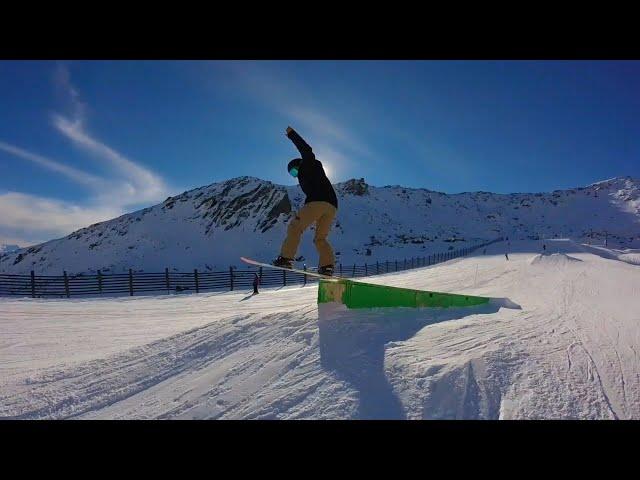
(326, 270)
(283, 262)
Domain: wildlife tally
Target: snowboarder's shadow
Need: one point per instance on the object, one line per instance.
(352, 345)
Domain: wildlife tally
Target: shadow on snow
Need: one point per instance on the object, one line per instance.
(352, 345)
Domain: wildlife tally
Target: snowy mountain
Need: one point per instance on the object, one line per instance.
(7, 248)
(210, 227)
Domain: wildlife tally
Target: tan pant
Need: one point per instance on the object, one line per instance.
(322, 213)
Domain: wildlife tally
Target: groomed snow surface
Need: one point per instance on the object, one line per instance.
(570, 352)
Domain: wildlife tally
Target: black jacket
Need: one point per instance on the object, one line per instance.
(313, 180)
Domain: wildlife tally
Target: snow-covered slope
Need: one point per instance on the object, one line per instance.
(210, 227)
(570, 352)
(8, 248)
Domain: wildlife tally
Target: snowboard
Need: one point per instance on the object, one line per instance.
(296, 270)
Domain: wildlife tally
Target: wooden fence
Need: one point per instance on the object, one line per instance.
(133, 283)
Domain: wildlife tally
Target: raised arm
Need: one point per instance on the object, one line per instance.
(302, 146)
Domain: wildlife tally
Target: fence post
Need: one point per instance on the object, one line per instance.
(33, 284)
(354, 271)
(284, 278)
(130, 282)
(305, 275)
(231, 277)
(396, 265)
(365, 269)
(100, 281)
(260, 275)
(405, 264)
(166, 278)
(195, 273)
(66, 284)
(340, 269)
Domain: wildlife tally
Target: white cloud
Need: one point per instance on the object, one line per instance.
(72, 173)
(140, 184)
(327, 128)
(62, 82)
(26, 219)
(289, 98)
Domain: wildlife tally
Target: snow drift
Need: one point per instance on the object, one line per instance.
(556, 259)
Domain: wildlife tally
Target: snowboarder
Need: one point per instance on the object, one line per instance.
(320, 207)
(256, 282)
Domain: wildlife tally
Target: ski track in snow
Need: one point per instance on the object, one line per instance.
(570, 352)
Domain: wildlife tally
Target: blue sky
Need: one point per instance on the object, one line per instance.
(85, 141)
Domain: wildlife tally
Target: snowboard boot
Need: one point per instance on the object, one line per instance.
(283, 262)
(326, 270)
